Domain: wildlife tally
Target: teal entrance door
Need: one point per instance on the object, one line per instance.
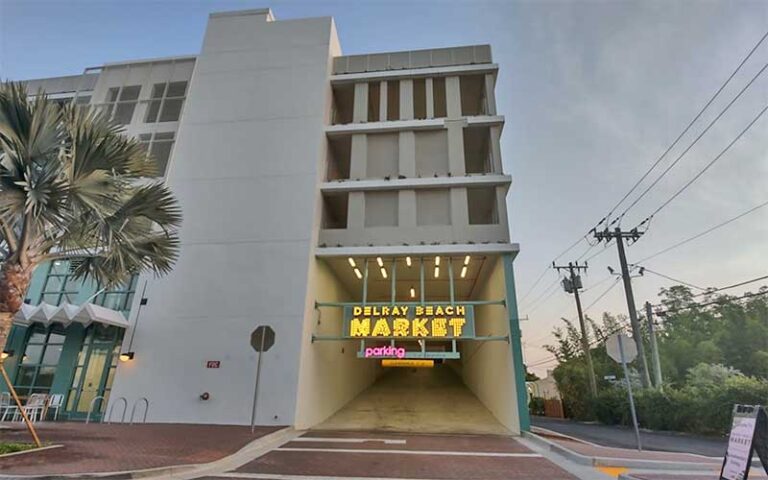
(94, 372)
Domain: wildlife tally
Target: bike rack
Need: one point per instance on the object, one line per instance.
(112, 407)
(146, 409)
(90, 408)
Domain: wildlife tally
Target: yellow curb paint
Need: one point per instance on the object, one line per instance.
(613, 471)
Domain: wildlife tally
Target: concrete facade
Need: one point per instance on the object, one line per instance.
(291, 163)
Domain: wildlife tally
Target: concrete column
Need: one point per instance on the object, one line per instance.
(459, 208)
(430, 94)
(453, 97)
(358, 156)
(490, 94)
(407, 154)
(456, 164)
(383, 101)
(495, 150)
(360, 108)
(406, 99)
(356, 211)
(406, 208)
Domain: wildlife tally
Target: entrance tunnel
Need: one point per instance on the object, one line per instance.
(454, 369)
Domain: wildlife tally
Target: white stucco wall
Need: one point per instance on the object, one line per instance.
(331, 374)
(245, 170)
(487, 369)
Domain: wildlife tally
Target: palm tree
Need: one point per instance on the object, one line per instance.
(73, 186)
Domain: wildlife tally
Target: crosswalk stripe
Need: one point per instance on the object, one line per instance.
(412, 452)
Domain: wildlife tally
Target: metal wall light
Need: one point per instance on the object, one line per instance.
(126, 356)
(5, 354)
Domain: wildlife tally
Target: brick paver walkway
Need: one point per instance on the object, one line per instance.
(115, 448)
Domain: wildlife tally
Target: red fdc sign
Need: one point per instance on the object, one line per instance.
(213, 364)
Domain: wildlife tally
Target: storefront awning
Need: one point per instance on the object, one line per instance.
(67, 313)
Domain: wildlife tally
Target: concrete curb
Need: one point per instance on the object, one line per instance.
(619, 462)
(188, 471)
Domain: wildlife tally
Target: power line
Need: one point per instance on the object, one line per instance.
(713, 302)
(616, 282)
(695, 141)
(688, 127)
(705, 232)
(543, 273)
(547, 294)
(728, 287)
(646, 269)
(712, 162)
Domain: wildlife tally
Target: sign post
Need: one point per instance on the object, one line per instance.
(622, 349)
(262, 340)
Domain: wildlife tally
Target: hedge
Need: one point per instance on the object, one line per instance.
(688, 409)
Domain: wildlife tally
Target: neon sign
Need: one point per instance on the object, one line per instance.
(409, 321)
(384, 352)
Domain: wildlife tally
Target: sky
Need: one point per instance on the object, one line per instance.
(592, 92)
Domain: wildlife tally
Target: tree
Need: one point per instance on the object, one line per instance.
(73, 186)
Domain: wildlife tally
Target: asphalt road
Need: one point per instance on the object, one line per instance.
(622, 437)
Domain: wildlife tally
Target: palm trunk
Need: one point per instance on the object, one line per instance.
(14, 281)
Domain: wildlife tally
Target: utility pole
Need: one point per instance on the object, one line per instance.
(619, 236)
(654, 348)
(572, 285)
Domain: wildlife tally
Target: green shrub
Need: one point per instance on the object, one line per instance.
(536, 406)
(10, 447)
(705, 410)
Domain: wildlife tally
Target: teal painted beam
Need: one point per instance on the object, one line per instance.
(515, 343)
(382, 304)
(338, 338)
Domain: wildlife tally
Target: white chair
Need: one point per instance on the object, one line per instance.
(5, 406)
(35, 406)
(55, 402)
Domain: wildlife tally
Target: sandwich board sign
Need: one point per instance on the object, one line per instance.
(749, 434)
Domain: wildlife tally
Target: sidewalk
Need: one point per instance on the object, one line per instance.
(99, 448)
(587, 453)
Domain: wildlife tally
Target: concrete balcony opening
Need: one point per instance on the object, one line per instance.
(482, 205)
(439, 98)
(339, 157)
(335, 207)
(343, 104)
(477, 150)
(348, 385)
(473, 95)
(419, 98)
(393, 100)
(374, 101)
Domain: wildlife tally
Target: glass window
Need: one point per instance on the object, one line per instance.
(32, 354)
(60, 286)
(159, 147)
(119, 298)
(167, 100)
(40, 359)
(52, 354)
(121, 103)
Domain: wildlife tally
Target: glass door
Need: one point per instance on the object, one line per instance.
(94, 372)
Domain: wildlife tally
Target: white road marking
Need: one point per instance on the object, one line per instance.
(349, 440)
(411, 452)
